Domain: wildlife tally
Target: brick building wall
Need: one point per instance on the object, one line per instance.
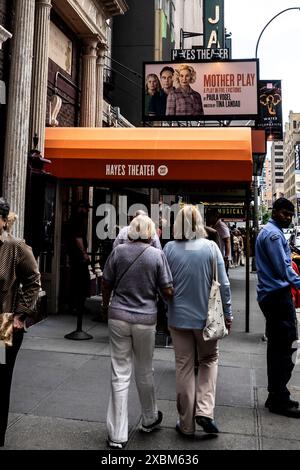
(65, 85)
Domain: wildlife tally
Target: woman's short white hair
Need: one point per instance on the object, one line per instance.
(141, 228)
(187, 67)
(189, 224)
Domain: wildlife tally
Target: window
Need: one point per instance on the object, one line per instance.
(278, 160)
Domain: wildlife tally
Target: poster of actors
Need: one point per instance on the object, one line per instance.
(270, 109)
(205, 90)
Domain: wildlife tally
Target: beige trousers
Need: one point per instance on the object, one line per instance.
(195, 393)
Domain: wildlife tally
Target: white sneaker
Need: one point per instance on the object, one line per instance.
(115, 445)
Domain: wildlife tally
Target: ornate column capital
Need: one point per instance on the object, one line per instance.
(101, 50)
(90, 46)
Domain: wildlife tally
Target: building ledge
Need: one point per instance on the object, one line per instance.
(115, 7)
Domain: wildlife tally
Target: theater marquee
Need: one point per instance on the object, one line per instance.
(201, 91)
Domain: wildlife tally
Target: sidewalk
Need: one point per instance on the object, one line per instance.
(61, 387)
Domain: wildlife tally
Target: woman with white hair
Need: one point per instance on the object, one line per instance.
(134, 271)
(152, 88)
(191, 257)
(183, 100)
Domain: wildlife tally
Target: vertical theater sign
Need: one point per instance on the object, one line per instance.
(213, 24)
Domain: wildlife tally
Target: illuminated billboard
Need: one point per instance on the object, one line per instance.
(207, 90)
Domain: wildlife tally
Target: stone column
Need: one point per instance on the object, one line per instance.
(88, 86)
(40, 72)
(18, 108)
(99, 84)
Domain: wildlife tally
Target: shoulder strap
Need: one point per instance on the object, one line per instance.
(215, 261)
(128, 267)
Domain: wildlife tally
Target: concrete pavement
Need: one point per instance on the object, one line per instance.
(61, 387)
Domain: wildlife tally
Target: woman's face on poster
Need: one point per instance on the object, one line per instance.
(185, 77)
(152, 85)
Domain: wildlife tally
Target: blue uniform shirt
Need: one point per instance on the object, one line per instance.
(273, 261)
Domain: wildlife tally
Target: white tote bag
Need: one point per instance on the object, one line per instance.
(215, 323)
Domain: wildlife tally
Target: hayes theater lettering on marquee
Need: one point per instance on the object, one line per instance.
(133, 170)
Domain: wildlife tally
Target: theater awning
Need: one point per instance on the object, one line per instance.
(172, 154)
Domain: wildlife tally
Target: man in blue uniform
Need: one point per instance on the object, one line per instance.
(275, 278)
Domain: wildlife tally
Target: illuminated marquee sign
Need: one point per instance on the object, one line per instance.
(208, 90)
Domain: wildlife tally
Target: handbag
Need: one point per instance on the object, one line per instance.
(215, 327)
(6, 328)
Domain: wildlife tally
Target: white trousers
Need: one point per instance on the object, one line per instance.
(130, 342)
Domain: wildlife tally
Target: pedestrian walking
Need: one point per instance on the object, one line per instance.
(19, 288)
(213, 219)
(275, 278)
(191, 257)
(123, 234)
(134, 271)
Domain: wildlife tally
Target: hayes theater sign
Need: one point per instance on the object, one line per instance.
(136, 170)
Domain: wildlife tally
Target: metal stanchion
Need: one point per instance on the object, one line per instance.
(78, 334)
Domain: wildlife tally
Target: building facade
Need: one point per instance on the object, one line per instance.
(277, 164)
(52, 69)
(5, 38)
(266, 185)
(188, 18)
(292, 161)
(138, 39)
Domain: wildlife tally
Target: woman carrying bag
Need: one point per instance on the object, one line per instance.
(192, 258)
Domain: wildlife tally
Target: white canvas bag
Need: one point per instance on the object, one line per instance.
(215, 323)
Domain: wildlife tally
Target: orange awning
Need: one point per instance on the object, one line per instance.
(173, 154)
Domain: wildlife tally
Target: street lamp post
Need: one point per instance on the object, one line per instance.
(265, 27)
(255, 178)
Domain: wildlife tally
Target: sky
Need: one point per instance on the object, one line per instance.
(278, 49)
